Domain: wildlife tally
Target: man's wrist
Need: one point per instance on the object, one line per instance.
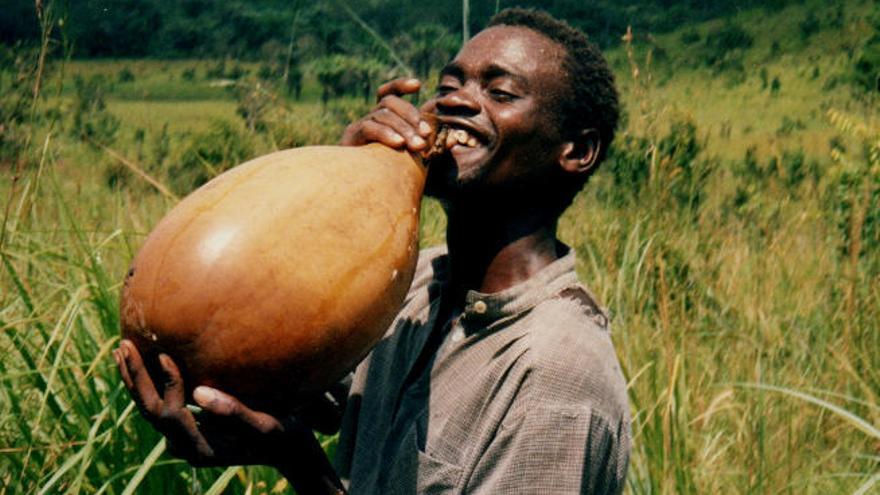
(309, 470)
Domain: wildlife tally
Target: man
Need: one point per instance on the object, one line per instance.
(498, 375)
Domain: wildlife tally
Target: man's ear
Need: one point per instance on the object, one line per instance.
(581, 153)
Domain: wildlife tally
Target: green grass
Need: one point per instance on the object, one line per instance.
(746, 327)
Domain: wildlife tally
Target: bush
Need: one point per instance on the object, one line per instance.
(866, 70)
(91, 120)
(208, 154)
(789, 125)
(343, 74)
(15, 94)
(690, 37)
(855, 202)
(125, 75)
(679, 172)
(254, 100)
(721, 42)
(809, 26)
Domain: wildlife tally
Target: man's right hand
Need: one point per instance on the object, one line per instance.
(226, 432)
(394, 121)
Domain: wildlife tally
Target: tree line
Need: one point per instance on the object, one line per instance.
(247, 29)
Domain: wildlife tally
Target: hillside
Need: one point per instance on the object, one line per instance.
(733, 233)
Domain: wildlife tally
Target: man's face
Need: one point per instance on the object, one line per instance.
(503, 88)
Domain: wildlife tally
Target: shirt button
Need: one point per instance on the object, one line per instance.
(480, 307)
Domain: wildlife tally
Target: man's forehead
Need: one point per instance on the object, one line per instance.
(518, 49)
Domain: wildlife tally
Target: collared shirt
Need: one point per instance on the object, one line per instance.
(522, 394)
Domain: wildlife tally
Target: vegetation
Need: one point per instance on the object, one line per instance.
(734, 232)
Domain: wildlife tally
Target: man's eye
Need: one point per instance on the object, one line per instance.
(501, 95)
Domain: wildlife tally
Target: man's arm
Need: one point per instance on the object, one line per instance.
(226, 432)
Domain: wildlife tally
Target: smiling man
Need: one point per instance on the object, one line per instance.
(498, 375)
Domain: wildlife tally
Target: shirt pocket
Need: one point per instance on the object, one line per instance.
(415, 471)
(434, 475)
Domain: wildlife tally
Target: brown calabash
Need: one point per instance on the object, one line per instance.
(274, 279)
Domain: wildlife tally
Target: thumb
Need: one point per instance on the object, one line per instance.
(220, 403)
(215, 401)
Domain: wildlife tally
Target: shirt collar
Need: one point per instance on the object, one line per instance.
(482, 308)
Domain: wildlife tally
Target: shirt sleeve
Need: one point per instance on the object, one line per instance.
(555, 449)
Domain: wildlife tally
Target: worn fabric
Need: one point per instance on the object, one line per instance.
(522, 394)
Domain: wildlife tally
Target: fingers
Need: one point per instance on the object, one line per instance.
(394, 122)
(218, 403)
(138, 381)
(174, 393)
(399, 87)
(399, 126)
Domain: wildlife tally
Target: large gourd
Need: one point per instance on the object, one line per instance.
(275, 278)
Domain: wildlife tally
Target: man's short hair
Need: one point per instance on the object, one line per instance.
(593, 102)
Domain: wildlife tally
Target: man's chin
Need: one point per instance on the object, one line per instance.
(446, 180)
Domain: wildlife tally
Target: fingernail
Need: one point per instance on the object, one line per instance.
(124, 350)
(397, 139)
(418, 142)
(204, 395)
(424, 128)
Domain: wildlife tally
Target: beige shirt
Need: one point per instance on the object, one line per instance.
(522, 394)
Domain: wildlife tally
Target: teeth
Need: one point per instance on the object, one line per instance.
(451, 139)
(462, 137)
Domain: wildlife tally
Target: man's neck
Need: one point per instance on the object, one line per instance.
(492, 248)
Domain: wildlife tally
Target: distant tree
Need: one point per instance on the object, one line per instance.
(809, 26)
(426, 46)
(366, 73)
(114, 27)
(330, 72)
(294, 81)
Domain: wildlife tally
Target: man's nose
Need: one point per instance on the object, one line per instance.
(462, 101)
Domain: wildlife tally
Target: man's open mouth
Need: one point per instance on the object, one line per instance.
(463, 137)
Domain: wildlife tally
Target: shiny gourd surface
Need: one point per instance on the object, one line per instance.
(274, 279)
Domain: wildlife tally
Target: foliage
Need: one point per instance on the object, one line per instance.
(854, 190)
(15, 90)
(866, 70)
(341, 75)
(723, 47)
(208, 154)
(743, 287)
(91, 122)
(426, 47)
(239, 28)
(672, 163)
(809, 26)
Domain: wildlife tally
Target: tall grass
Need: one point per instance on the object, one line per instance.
(744, 293)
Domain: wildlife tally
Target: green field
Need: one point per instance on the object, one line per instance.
(734, 235)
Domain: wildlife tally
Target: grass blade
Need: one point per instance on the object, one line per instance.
(222, 481)
(142, 471)
(852, 418)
